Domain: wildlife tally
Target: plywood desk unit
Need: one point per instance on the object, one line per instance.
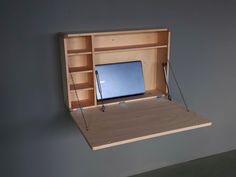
(126, 119)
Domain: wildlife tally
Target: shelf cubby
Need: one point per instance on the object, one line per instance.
(82, 103)
(85, 69)
(82, 85)
(80, 63)
(80, 78)
(131, 40)
(79, 45)
(86, 98)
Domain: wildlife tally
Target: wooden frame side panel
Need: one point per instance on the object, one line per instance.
(64, 68)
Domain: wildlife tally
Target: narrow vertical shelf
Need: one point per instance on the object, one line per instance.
(80, 68)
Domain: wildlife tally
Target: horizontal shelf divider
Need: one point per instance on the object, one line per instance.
(83, 103)
(129, 47)
(76, 34)
(78, 52)
(80, 69)
(82, 86)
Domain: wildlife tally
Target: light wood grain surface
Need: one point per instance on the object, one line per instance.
(134, 121)
(83, 51)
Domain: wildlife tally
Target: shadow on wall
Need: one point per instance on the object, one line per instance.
(35, 125)
(38, 129)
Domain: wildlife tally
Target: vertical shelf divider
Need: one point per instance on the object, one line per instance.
(93, 62)
(168, 59)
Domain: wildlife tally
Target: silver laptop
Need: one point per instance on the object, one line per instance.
(119, 80)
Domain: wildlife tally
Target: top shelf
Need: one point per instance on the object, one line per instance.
(116, 49)
(78, 34)
(129, 47)
(73, 52)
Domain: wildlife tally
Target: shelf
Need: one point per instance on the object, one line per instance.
(80, 69)
(83, 86)
(135, 121)
(129, 47)
(78, 45)
(83, 103)
(78, 52)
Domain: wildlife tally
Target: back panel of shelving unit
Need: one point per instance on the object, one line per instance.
(151, 62)
(80, 57)
(151, 59)
(78, 63)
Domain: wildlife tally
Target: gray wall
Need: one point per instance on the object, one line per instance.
(37, 136)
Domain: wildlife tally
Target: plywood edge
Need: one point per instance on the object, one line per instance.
(148, 136)
(64, 69)
(77, 34)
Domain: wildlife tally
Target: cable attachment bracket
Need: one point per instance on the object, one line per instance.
(78, 100)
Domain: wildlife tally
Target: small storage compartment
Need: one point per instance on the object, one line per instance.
(82, 89)
(80, 63)
(77, 45)
(130, 41)
(85, 97)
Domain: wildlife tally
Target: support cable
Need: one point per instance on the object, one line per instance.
(176, 82)
(165, 77)
(100, 90)
(78, 100)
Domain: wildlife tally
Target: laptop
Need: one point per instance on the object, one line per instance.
(119, 80)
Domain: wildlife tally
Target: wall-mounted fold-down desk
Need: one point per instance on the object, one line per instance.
(127, 119)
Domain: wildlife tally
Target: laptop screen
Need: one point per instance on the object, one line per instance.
(119, 79)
